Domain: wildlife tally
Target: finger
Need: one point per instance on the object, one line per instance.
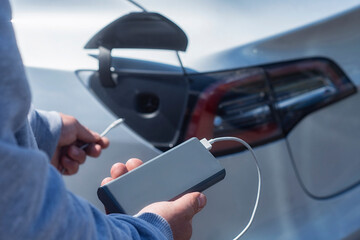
(86, 135)
(103, 142)
(191, 204)
(106, 180)
(117, 170)
(77, 154)
(71, 166)
(93, 150)
(133, 163)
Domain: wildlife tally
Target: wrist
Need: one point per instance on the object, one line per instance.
(158, 222)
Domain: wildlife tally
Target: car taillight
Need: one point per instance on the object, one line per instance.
(302, 87)
(236, 104)
(264, 103)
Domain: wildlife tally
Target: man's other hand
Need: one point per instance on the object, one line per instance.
(69, 155)
(178, 213)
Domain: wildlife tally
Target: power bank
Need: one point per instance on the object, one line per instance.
(188, 167)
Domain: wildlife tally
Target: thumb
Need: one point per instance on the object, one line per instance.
(191, 204)
(86, 135)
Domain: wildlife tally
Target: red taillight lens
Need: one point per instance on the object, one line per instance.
(263, 104)
(236, 104)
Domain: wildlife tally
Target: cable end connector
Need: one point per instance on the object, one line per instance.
(206, 143)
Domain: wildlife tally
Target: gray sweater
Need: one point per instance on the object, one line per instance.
(34, 203)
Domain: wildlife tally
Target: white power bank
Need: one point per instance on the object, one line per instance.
(188, 167)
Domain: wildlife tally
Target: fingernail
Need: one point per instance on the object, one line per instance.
(201, 200)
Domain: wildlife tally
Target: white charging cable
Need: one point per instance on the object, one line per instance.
(111, 126)
(208, 144)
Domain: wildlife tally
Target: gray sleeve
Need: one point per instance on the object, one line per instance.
(46, 127)
(34, 203)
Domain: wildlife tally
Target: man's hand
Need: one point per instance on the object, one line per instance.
(178, 213)
(68, 155)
